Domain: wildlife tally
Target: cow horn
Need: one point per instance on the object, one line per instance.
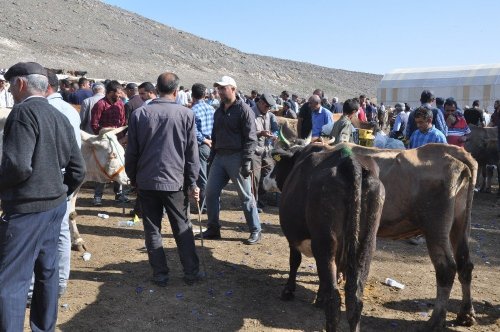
(85, 136)
(282, 138)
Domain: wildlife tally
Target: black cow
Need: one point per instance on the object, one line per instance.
(430, 190)
(330, 208)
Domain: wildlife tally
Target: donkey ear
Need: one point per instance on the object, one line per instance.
(86, 136)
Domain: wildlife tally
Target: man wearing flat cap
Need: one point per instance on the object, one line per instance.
(267, 132)
(233, 145)
(41, 166)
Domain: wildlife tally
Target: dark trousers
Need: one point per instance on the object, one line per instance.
(28, 243)
(204, 152)
(261, 166)
(176, 205)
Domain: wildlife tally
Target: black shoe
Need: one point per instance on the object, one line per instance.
(254, 238)
(209, 234)
(191, 280)
(259, 210)
(260, 204)
(122, 198)
(160, 281)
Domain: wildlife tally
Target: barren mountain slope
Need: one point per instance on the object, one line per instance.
(109, 42)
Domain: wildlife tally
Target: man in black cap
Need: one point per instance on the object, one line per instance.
(41, 166)
(267, 131)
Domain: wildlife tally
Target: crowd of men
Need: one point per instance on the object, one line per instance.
(181, 144)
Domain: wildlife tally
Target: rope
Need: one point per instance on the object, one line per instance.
(103, 170)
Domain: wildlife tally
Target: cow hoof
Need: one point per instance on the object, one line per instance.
(287, 295)
(465, 319)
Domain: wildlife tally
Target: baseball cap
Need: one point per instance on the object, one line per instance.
(268, 99)
(24, 69)
(225, 81)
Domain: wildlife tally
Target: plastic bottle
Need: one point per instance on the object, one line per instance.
(394, 283)
(103, 215)
(86, 256)
(126, 223)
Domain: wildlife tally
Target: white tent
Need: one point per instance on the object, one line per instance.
(464, 83)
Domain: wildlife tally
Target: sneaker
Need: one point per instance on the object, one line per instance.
(97, 201)
(417, 240)
(209, 234)
(121, 198)
(254, 238)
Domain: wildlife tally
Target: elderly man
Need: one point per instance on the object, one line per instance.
(39, 143)
(320, 117)
(86, 107)
(162, 160)
(233, 144)
(134, 99)
(6, 99)
(267, 132)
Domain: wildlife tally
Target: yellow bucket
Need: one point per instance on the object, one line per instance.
(365, 134)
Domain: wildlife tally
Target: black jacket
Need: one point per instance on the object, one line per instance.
(41, 162)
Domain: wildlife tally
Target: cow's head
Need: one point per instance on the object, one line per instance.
(104, 156)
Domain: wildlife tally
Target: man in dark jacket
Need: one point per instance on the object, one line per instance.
(162, 161)
(233, 144)
(41, 166)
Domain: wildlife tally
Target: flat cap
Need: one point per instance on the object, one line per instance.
(268, 99)
(24, 69)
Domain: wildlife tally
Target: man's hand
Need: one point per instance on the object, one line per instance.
(194, 193)
(208, 142)
(246, 168)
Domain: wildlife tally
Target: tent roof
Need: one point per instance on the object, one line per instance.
(443, 76)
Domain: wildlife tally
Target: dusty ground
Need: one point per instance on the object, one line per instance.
(112, 292)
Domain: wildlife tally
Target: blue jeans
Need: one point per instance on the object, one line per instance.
(223, 168)
(28, 242)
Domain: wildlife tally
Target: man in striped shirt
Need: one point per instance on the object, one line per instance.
(458, 130)
(426, 132)
(204, 117)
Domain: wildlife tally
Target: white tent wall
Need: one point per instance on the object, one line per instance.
(465, 84)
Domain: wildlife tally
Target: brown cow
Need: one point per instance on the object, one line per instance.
(430, 192)
(482, 145)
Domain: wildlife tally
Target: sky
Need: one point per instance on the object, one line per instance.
(373, 36)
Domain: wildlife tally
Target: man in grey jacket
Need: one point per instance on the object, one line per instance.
(162, 162)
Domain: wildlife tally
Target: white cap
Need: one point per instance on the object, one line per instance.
(225, 81)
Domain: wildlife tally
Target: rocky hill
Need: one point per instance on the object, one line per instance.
(109, 42)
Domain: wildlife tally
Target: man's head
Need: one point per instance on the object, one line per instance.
(167, 84)
(496, 106)
(198, 91)
(335, 100)
(294, 97)
(226, 88)
(64, 84)
(27, 79)
(350, 107)
(318, 92)
(266, 101)
(83, 83)
(131, 90)
(147, 91)
(423, 118)
(427, 97)
(314, 102)
(98, 88)
(399, 107)
(113, 91)
(362, 99)
(439, 102)
(475, 103)
(254, 94)
(450, 106)
(53, 82)
(285, 95)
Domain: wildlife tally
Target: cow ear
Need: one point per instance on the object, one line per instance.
(85, 136)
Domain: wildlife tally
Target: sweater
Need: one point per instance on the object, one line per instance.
(41, 162)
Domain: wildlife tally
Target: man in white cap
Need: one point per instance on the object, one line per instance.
(234, 140)
(6, 99)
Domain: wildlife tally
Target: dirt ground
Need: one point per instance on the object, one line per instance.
(112, 291)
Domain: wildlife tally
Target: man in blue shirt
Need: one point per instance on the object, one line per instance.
(427, 98)
(320, 117)
(425, 132)
(204, 117)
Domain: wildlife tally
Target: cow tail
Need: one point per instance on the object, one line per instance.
(352, 225)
